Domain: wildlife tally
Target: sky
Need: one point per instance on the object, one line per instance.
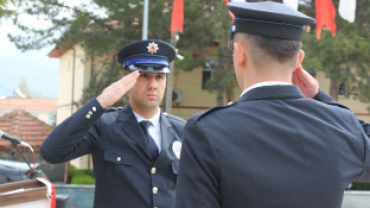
(40, 71)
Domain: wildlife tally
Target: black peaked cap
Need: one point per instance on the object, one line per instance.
(268, 19)
(139, 49)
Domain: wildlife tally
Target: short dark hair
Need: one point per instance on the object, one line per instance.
(262, 47)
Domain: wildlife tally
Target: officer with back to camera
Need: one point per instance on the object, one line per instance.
(135, 149)
(273, 148)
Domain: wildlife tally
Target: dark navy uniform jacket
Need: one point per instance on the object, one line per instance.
(272, 148)
(124, 171)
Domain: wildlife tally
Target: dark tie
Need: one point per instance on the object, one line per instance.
(153, 149)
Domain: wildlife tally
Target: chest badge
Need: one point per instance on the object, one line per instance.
(176, 148)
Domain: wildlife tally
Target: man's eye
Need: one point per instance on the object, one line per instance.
(143, 75)
(160, 76)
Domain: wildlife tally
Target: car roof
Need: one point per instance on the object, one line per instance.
(10, 164)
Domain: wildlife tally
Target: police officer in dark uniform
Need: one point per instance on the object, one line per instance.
(136, 148)
(273, 147)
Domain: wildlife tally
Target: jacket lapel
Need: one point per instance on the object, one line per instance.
(132, 128)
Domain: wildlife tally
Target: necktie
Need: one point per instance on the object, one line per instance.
(153, 149)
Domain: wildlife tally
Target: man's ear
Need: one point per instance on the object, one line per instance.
(300, 59)
(240, 54)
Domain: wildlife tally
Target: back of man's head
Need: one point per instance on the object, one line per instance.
(270, 51)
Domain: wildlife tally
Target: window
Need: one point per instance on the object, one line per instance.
(52, 119)
(209, 67)
(342, 89)
(342, 84)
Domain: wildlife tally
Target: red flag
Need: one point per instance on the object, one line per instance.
(325, 15)
(231, 14)
(177, 16)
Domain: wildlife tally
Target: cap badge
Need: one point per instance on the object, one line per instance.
(152, 48)
(176, 148)
(233, 28)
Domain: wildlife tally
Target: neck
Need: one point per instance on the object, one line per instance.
(252, 77)
(145, 113)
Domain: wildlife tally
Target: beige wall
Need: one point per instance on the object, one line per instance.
(66, 70)
(359, 108)
(82, 76)
(196, 99)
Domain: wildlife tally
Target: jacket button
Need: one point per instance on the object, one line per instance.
(94, 109)
(155, 190)
(153, 170)
(118, 159)
(88, 116)
(90, 112)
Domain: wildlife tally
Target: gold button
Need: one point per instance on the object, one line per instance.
(153, 170)
(94, 109)
(88, 116)
(155, 190)
(118, 159)
(90, 112)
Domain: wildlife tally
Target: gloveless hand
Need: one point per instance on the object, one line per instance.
(116, 90)
(308, 85)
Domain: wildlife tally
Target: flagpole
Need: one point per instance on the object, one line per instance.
(145, 20)
(168, 101)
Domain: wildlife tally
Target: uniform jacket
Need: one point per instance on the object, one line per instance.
(124, 171)
(272, 148)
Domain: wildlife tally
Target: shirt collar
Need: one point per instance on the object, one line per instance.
(262, 84)
(154, 120)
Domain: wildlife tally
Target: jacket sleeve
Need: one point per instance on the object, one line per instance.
(75, 136)
(364, 128)
(323, 97)
(198, 179)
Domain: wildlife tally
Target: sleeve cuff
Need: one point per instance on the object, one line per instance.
(92, 110)
(322, 96)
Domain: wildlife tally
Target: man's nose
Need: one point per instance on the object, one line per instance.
(152, 83)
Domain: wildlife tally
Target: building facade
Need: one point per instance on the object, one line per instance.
(190, 93)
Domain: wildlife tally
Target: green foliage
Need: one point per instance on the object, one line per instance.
(84, 176)
(83, 179)
(365, 186)
(345, 54)
(4, 11)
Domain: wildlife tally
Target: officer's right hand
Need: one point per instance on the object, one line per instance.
(116, 90)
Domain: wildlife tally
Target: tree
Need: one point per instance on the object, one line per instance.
(24, 88)
(124, 19)
(344, 57)
(206, 23)
(4, 11)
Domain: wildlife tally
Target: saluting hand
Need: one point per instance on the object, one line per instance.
(116, 90)
(308, 85)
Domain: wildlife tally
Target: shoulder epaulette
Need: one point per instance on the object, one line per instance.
(170, 116)
(201, 115)
(111, 109)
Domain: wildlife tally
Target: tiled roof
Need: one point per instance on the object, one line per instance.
(37, 104)
(24, 126)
